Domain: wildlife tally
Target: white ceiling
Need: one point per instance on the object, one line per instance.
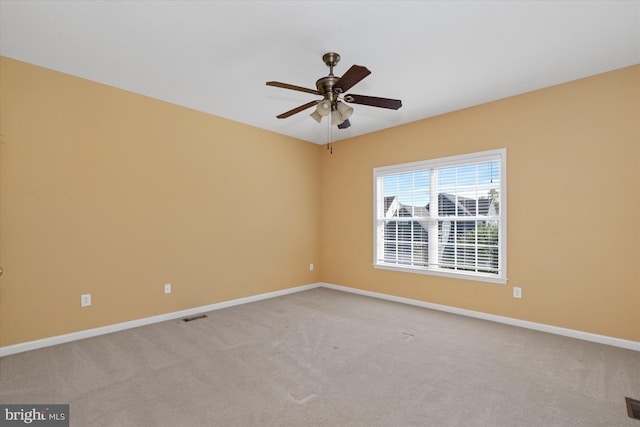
(215, 56)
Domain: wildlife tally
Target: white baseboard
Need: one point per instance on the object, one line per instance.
(88, 333)
(586, 336)
(60, 339)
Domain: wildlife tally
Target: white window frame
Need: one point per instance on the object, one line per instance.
(431, 166)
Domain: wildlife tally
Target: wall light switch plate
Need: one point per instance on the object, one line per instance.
(167, 288)
(310, 267)
(85, 300)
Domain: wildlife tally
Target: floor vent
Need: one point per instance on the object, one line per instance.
(196, 317)
(633, 408)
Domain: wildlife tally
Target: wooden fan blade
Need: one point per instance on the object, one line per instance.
(351, 77)
(344, 124)
(374, 101)
(297, 110)
(293, 87)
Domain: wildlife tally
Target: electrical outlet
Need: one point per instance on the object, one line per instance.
(310, 267)
(85, 300)
(517, 292)
(167, 288)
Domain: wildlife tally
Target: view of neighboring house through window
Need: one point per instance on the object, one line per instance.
(445, 216)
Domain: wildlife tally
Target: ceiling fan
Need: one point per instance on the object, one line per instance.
(332, 89)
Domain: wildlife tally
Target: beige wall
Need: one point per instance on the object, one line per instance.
(112, 193)
(573, 166)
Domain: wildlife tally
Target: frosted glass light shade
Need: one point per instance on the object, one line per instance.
(345, 111)
(323, 108)
(336, 117)
(317, 117)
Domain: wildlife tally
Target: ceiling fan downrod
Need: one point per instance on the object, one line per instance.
(326, 84)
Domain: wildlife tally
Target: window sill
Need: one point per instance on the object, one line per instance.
(442, 273)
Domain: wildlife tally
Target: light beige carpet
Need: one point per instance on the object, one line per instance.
(328, 358)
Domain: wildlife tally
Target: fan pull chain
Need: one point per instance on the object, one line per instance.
(329, 144)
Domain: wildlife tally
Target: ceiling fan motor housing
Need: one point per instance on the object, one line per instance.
(325, 87)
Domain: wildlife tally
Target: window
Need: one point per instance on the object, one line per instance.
(445, 216)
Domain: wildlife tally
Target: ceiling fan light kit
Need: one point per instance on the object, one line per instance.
(332, 88)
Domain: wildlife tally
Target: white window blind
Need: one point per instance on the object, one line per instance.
(445, 216)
